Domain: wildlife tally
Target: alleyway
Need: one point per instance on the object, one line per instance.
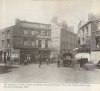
(50, 73)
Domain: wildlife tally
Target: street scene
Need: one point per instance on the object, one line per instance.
(50, 74)
(50, 42)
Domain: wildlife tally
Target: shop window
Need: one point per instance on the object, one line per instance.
(8, 42)
(25, 41)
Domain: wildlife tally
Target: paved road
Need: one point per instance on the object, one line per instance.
(50, 73)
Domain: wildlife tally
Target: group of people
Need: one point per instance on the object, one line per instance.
(27, 60)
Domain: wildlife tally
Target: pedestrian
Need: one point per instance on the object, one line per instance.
(40, 60)
(5, 61)
(58, 60)
(47, 61)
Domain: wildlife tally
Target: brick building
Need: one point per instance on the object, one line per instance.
(89, 37)
(62, 38)
(26, 39)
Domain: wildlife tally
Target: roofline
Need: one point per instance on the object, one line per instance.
(86, 24)
(34, 22)
(4, 29)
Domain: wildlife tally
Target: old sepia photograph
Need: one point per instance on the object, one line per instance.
(50, 41)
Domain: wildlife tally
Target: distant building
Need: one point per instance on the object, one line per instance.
(89, 37)
(71, 29)
(62, 39)
(26, 39)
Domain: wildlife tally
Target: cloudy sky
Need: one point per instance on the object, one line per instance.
(71, 11)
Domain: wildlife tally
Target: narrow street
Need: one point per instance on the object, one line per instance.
(51, 74)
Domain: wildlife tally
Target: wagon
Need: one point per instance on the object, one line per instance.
(67, 59)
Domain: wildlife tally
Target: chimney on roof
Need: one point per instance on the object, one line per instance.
(17, 21)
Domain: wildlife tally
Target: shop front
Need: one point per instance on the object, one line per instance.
(45, 53)
(28, 54)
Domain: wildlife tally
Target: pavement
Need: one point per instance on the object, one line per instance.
(50, 74)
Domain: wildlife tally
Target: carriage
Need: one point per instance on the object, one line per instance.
(67, 58)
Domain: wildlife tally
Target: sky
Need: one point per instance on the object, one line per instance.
(71, 11)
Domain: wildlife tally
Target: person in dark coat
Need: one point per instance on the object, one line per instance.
(40, 60)
(58, 60)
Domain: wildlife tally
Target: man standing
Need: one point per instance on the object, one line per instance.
(40, 60)
(58, 60)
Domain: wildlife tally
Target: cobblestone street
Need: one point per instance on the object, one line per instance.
(50, 73)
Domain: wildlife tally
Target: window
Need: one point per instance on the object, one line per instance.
(2, 43)
(86, 29)
(33, 32)
(8, 31)
(49, 33)
(99, 26)
(3, 34)
(46, 43)
(33, 42)
(25, 32)
(25, 41)
(83, 40)
(97, 43)
(83, 31)
(39, 32)
(39, 43)
(43, 32)
(46, 33)
(8, 42)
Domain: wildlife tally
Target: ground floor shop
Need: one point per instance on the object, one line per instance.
(19, 56)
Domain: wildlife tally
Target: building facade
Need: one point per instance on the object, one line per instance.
(26, 39)
(89, 37)
(62, 38)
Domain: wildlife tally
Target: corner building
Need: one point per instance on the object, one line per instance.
(26, 39)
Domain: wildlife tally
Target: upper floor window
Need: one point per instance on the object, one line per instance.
(33, 32)
(25, 41)
(83, 40)
(33, 42)
(98, 26)
(8, 42)
(49, 33)
(2, 43)
(43, 32)
(39, 43)
(8, 31)
(97, 43)
(39, 32)
(86, 29)
(83, 31)
(46, 43)
(3, 34)
(25, 32)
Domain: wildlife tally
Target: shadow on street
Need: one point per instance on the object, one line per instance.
(6, 69)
